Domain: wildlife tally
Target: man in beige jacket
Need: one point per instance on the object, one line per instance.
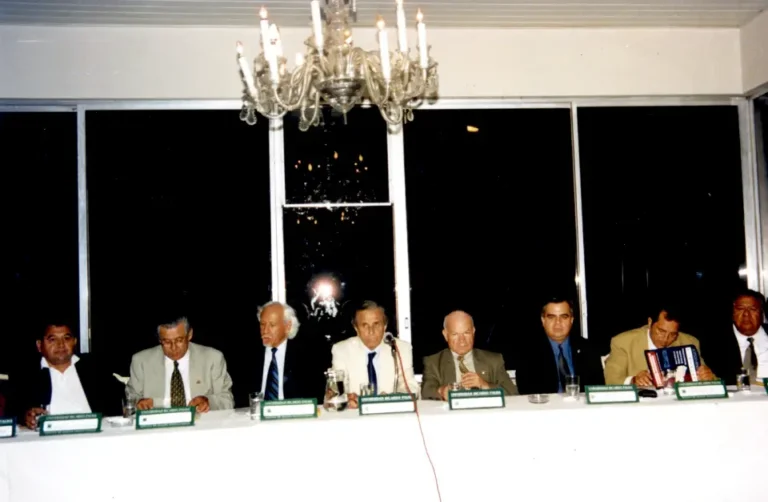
(626, 363)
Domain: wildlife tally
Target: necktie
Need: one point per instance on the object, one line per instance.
(462, 367)
(372, 373)
(562, 366)
(273, 384)
(177, 388)
(750, 360)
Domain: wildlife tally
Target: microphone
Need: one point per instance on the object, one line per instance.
(389, 339)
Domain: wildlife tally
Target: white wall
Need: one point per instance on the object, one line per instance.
(190, 63)
(754, 52)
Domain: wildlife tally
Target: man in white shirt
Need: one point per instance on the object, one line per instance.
(65, 383)
(179, 373)
(366, 359)
(743, 344)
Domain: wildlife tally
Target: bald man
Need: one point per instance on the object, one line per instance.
(462, 363)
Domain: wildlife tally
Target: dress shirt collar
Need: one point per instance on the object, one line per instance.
(183, 362)
(44, 362)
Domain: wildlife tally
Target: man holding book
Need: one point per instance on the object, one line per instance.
(627, 363)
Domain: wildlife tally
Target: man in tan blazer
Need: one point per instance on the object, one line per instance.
(477, 368)
(180, 373)
(626, 363)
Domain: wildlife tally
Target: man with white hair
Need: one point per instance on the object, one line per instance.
(288, 369)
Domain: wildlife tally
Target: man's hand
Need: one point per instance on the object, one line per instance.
(352, 401)
(29, 417)
(643, 379)
(145, 404)
(201, 404)
(705, 374)
(443, 392)
(473, 380)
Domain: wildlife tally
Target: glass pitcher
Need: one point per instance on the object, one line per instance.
(335, 390)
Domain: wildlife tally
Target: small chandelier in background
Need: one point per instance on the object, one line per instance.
(337, 73)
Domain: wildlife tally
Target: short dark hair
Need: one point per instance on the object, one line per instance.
(368, 305)
(556, 299)
(55, 321)
(751, 293)
(669, 307)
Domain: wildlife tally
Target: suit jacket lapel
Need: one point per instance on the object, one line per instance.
(447, 367)
(155, 377)
(196, 365)
(88, 384)
(386, 376)
(480, 364)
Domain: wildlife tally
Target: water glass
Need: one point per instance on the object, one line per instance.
(129, 407)
(456, 386)
(366, 389)
(669, 383)
(572, 387)
(255, 399)
(742, 381)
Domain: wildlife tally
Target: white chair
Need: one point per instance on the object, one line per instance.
(121, 379)
(602, 359)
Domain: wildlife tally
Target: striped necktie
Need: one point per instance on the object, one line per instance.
(273, 384)
(178, 399)
(372, 380)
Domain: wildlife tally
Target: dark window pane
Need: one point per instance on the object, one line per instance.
(337, 161)
(39, 222)
(663, 213)
(334, 258)
(179, 213)
(490, 221)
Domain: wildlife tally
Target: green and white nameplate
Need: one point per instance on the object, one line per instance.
(288, 408)
(701, 390)
(158, 418)
(765, 384)
(475, 399)
(606, 394)
(7, 427)
(389, 403)
(77, 423)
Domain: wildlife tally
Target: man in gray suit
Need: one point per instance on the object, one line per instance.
(179, 373)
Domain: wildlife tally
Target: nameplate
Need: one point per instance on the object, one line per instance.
(390, 403)
(7, 427)
(765, 384)
(288, 408)
(78, 423)
(607, 394)
(701, 390)
(475, 399)
(158, 418)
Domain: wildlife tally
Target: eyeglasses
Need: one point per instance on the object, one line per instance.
(167, 342)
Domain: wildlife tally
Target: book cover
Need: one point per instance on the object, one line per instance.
(683, 360)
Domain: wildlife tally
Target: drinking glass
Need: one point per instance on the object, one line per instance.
(255, 399)
(669, 383)
(129, 407)
(366, 389)
(572, 387)
(742, 381)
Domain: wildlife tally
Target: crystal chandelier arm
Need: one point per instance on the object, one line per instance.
(299, 82)
(372, 83)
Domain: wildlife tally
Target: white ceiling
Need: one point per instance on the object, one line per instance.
(438, 13)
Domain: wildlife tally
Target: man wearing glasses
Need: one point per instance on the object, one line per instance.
(179, 373)
(626, 363)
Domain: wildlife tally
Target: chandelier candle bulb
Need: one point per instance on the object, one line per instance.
(317, 25)
(422, 31)
(264, 25)
(274, 35)
(299, 59)
(247, 75)
(402, 36)
(384, 50)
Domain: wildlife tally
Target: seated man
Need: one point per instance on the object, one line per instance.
(289, 368)
(366, 359)
(63, 381)
(547, 358)
(461, 362)
(626, 364)
(179, 373)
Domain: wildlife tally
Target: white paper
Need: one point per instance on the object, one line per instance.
(477, 402)
(288, 410)
(703, 390)
(177, 417)
(621, 396)
(6, 431)
(77, 424)
(390, 407)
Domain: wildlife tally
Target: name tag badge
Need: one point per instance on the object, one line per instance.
(158, 418)
(289, 408)
(7, 428)
(76, 423)
(701, 390)
(611, 394)
(475, 399)
(390, 403)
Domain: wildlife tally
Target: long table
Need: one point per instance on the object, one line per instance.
(657, 449)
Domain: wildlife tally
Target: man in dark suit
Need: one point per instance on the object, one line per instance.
(742, 343)
(287, 368)
(63, 381)
(547, 358)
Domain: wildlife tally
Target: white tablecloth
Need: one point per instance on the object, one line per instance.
(653, 450)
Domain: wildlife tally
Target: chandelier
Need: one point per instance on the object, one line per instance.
(335, 72)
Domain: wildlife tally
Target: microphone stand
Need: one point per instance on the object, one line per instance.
(394, 359)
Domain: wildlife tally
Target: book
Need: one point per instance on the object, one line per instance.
(683, 360)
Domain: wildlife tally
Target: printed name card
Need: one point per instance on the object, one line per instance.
(390, 403)
(606, 394)
(765, 385)
(157, 418)
(475, 399)
(7, 427)
(288, 408)
(78, 423)
(701, 390)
